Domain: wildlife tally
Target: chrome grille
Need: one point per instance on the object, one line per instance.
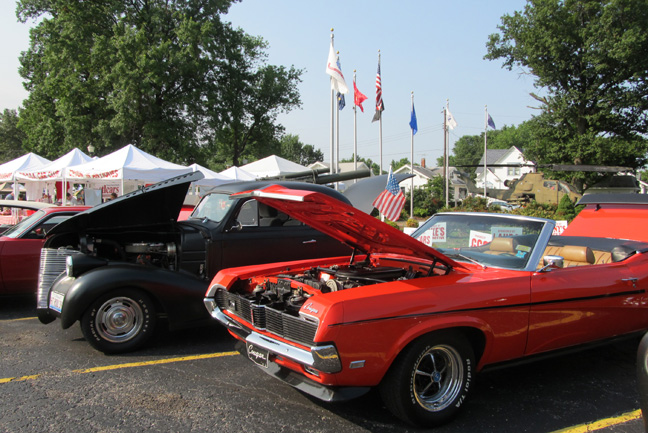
(266, 318)
(52, 264)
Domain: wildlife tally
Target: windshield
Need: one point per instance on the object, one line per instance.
(16, 230)
(213, 207)
(488, 239)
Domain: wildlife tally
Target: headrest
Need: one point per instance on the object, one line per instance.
(503, 244)
(266, 211)
(621, 252)
(578, 254)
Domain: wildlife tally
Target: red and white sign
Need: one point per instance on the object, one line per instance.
(559, 228)
(479, 238)
(436, 233)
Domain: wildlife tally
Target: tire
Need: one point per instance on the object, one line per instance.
(119, 322)
(430, 380)
(642, 378)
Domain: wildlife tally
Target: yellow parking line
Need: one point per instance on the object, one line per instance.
(128, 365)
(603, 423)
(17, 320)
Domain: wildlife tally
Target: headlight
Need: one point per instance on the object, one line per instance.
(78, 264)
(69, 266)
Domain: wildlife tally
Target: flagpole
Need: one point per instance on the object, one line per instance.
(337, 133)
(412, 166)
(380, 144)
(445, 153)
(355, 128)
(485, 146)
(332, 134)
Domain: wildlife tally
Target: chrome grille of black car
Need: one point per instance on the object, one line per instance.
(266, 318)
(52, 264)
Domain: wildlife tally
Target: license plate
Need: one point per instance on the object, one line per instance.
(257, 355)
(56, 301)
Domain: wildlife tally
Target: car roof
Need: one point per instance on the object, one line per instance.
(236, 187)
(23, 204)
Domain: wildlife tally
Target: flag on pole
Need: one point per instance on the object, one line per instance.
(412, 123)
(491, 123)
(380, 106)
(333, 69)
(340, 96)
(390, 202)
(450, 120)
(358, 97)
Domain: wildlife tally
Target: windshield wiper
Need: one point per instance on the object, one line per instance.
(469, 259)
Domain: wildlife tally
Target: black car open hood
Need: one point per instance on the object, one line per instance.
(155, 205)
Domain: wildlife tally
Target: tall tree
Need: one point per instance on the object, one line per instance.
(588, 57)
(11, 137)
(294, 150)
(168, 76)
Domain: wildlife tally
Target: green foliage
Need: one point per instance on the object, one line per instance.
(168, 76)
(393, 224)
(375, 168)
(294, 150)
(411, 222)
(588, 57)
(566, 209)
(395, 165)
(472, 204)
(428, 199)
(536, 209)
(11, 138)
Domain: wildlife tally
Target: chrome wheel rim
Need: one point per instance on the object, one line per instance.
(438, 378)
(119, 319)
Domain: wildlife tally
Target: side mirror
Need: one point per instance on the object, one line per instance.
(552, 262)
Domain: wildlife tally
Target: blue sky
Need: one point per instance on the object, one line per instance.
(432, 48)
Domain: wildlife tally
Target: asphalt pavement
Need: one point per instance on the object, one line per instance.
(52, 380)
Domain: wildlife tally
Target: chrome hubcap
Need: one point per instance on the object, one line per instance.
(438, 378)
(119, 319)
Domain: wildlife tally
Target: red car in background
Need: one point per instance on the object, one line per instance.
(20, 247)
(419, 318)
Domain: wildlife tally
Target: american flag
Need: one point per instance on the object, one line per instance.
(380, 107)
(390, 202)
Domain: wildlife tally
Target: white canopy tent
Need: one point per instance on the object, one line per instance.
(123, 170)
(211, 177)
(30, 161)
(237, 173)
(48, 174)
(273, 165)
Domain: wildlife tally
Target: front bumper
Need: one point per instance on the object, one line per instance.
(324, 359)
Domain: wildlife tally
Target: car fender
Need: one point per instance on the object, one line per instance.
(462, 323)
(179, 295)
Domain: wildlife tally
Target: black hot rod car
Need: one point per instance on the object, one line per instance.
(120, 267)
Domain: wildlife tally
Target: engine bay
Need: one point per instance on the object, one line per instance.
(288, 292)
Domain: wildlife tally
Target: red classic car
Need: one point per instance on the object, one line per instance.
(419, 318)
(20, 247)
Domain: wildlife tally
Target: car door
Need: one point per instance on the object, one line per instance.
(575, 305)
(266, 237)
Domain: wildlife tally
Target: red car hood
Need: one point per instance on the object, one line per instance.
(344, 223)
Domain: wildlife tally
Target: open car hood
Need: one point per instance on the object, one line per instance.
(345, 223)
(155, 205)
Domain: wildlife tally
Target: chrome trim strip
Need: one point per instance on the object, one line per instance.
(282, 349)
